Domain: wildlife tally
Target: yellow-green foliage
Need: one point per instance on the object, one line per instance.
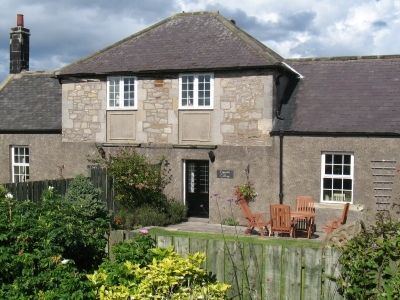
(173, 277)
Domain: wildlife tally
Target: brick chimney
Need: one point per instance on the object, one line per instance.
(19, 47)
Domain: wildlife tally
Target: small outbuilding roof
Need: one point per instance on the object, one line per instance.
(349, 95)
(185, 41)
(30, 102)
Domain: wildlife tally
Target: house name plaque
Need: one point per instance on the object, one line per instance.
(225, 174)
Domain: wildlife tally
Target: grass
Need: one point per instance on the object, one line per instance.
(246, 239)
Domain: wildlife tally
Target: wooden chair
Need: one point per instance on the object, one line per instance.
(253, 220)
(281, 222)
(337, 222)
(304, 203)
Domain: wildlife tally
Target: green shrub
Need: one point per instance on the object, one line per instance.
(81, 194)
(169, 276)
(145, 215)
(371, 263)
(46, 249)
(136, 250)
(177, 211)
(230, 222)
(137, 182)
(173, 212)
(3, 191)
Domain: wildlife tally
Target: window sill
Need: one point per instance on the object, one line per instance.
(352, 207)
(121, 109)
(195, 108)
(195, 146)
(121, 144)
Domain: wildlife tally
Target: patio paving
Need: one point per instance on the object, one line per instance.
(199, 225)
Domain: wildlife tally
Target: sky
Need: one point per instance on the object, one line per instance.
(64, 31)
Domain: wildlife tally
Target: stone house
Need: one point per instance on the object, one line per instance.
(30, 121)
(217, 103)
(223, 108)
(193, 87)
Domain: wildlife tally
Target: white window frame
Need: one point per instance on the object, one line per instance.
(21, 161)
(120, 105)
(195, 100)
(341, 195)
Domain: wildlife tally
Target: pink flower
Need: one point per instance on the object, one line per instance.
(143, 231)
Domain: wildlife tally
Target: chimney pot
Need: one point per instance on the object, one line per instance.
(20, 20)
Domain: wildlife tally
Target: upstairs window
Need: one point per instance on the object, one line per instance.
(20, 163)
(337, 177)
(196, 91)
(121, 92)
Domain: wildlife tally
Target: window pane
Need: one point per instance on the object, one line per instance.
(327, 183)
(204, 178)
(347, 159)
(187, 90)
(327, 195)
(337, 184)
(328, 158)
(191, 177)
(337, 170)
(129, 88)
(113, 93)
(346, 170)
(347, 184)
(328, 169)
(337, 159)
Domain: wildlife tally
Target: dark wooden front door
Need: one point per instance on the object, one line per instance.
(197, 188)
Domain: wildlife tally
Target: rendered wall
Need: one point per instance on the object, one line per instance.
(302, 171)
(49, 158)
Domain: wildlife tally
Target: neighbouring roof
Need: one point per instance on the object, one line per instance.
(30, 101)
(349, 95)
(185, 41)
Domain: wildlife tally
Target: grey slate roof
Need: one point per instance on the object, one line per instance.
(30, 101)
(185, 41)
(348, 95)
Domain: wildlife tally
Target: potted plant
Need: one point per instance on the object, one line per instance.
(245, 192)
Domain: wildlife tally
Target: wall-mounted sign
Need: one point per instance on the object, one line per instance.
(224, 173)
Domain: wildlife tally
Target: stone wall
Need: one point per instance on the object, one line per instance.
(83, 111)
(242, 112)
(246, 102)
(159, 120)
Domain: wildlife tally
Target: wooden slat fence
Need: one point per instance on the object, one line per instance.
(259, 271)
(32, 190)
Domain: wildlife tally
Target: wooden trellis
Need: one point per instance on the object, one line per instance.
(383, 172)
